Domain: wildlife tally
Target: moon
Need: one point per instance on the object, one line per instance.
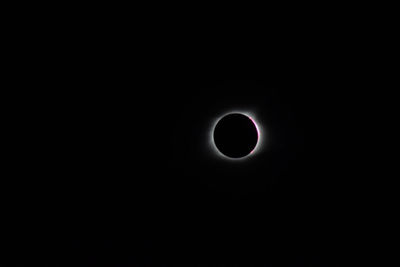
(236, 136)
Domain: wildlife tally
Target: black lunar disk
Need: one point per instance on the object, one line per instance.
(235, 135)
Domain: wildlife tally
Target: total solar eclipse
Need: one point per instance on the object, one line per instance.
(236, 136)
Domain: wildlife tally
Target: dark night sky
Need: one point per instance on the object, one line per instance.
(111, 164)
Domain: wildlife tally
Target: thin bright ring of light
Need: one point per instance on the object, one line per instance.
(260, 131)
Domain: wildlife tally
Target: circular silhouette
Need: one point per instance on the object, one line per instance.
(235, 135)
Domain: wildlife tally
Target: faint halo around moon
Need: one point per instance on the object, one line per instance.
(236, 135)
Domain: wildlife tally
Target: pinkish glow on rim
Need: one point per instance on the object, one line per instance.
(260, 132)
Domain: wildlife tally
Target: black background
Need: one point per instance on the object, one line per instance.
(110, 164)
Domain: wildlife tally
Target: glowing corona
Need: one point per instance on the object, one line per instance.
(260, 132)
